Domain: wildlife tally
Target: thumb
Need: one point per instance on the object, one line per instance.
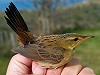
(19, 65)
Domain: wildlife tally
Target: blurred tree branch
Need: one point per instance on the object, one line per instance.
(44, 10)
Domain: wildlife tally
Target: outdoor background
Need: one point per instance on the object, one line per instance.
(45, 17)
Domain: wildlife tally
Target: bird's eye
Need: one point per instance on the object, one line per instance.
(75, 39)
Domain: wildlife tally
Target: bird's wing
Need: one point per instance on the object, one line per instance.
(50, 49)
(17, 23)
(42, 51)
(29, 51)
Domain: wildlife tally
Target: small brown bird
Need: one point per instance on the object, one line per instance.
(51, 51)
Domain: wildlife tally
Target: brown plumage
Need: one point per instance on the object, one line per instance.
(16, 22)
(50, 51)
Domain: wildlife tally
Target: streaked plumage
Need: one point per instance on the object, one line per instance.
(49, 51)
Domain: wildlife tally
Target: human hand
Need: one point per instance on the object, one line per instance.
(20, 65)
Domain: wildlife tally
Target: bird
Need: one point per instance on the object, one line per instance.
(49, 51)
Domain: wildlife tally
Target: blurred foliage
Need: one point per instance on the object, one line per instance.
(4, 61)
(85, 16)
(78, 16)
(5, 49)
(82, 18)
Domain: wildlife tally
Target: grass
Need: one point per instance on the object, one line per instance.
(3, 65)
(88, 52)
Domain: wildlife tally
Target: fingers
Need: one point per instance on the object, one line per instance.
(55, 71)
(37, 69)
(19, 65)
(72, 68)
(87, 71)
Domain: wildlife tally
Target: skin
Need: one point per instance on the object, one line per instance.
(20, 65)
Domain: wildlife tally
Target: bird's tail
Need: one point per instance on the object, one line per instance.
(17, 23)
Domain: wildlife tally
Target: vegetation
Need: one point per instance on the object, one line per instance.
(84, 19)
(3, 63)
(79, 16)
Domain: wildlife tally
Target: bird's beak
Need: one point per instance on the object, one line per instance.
(87, 37)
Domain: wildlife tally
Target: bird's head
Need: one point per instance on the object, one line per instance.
(72, 40)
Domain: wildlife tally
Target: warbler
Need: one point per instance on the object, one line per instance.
(50, 51)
